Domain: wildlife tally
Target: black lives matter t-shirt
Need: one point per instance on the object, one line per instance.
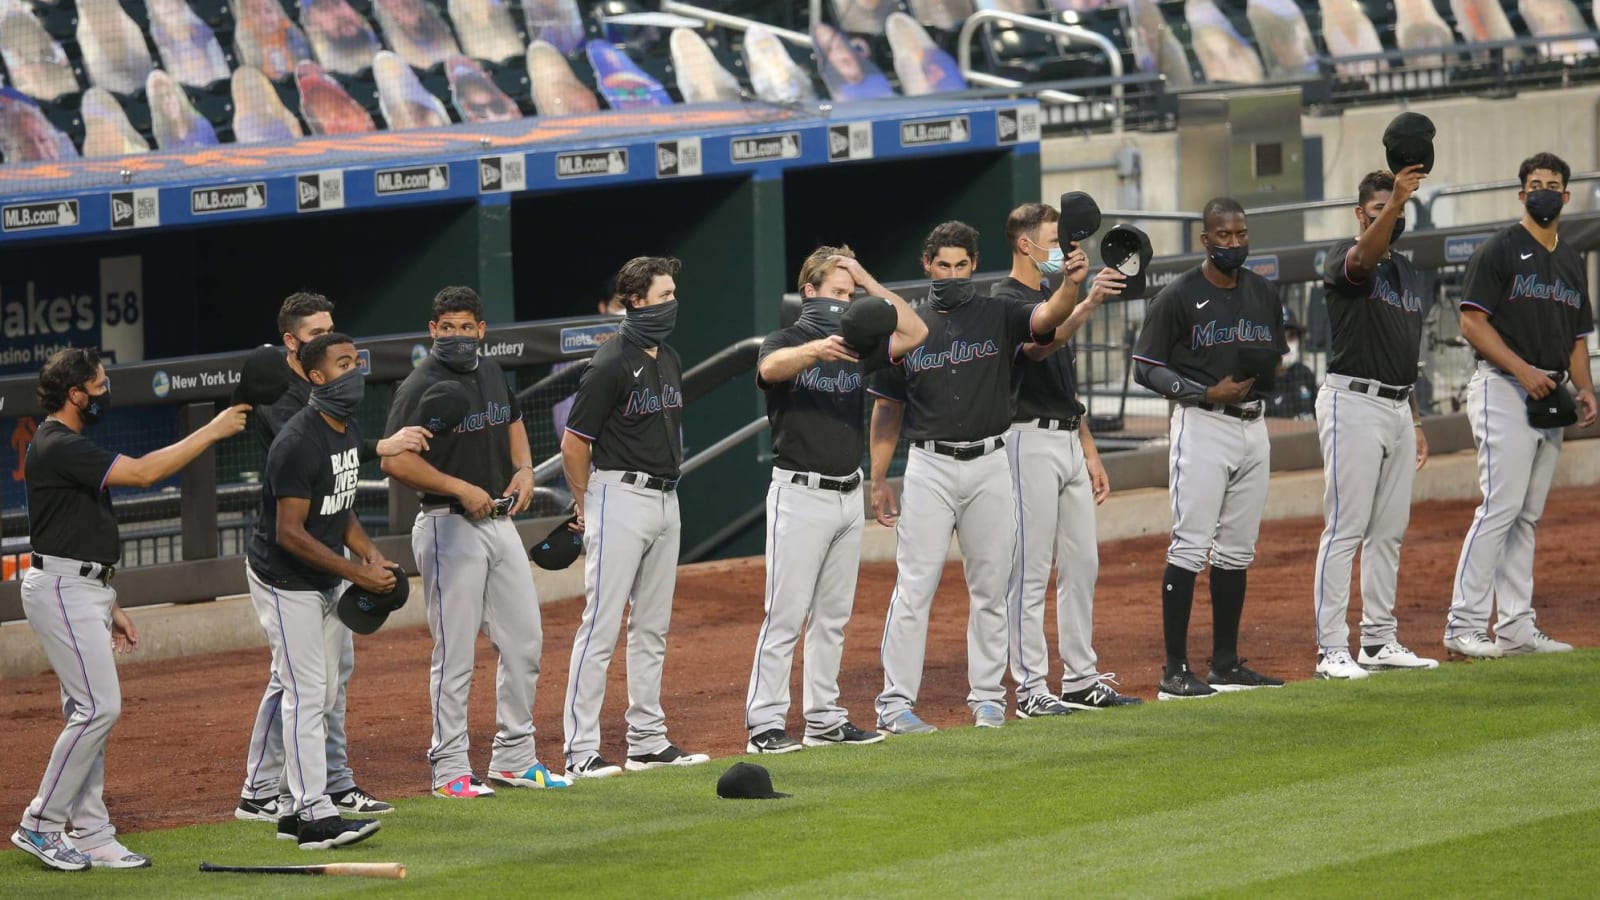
(630, 407)
(957, 384)
(313, 462)
(478, 451)
(818, 416)
(1376, 323)
(1196, 329)
(69, 509)
(1043, 388)
(267, 421)
(1536, 298)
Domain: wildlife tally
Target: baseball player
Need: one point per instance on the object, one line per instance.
(625, 425)
(813, 383)
(1371, 430)
(958, 386)
(295, 561)
(1058, 480)
(71, 606)
(302, 317)
(1194, 349)
(474, 568)
(1526, 313)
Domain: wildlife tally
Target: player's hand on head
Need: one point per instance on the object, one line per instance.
(883, 506)
(476, 501)
(833, 349)
(851, 265)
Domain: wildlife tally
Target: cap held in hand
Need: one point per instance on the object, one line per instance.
(559, 548)
(365, 612)
(866, 322)
(263, 378)
(1408, 141)
(1127, 249)
(746, 781)
(443, 406)
(1080, 217)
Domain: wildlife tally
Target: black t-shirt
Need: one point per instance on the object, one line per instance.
(69, 508)
(957, 384)
(1195, 328)
(1377, 323)
(1046, 388)
(818, 416)
(478, 451)
(1536, 298)
(309, 461)
(630, 406)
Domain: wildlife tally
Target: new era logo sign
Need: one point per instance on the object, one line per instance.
(316, 191)
(849, 140)
(33, 216)
(502, 173)
(1014, 126)
(135, 209)
(676, 159)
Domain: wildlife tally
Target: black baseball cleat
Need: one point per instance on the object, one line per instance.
(1100, 695)
(289, 827)
(359, 802)
(1039, 706)
(671, 756)
(844, 734)
(773, 740)
(1238, 678)
(325, 834)
(1182, 685)
(257, 809)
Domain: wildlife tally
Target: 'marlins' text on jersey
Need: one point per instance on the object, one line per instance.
(1245, 331)
(346, 470)
(1530, 287)
(922, 359)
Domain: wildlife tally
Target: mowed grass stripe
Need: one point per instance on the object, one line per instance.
(1094, 803)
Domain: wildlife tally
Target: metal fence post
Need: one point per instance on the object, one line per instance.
(198, 510)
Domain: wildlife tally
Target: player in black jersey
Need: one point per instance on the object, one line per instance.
(1203, 339)
(1525, 310)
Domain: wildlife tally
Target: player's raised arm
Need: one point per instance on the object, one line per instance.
(159, 465)
(1379, 231)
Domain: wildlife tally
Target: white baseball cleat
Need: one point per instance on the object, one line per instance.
(1335, 664)
(1393, 655)
(1475, 644)
(1541, 643)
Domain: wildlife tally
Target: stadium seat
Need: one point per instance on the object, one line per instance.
(325, 105)
(259, 114)
(413, 31)
(177, 124)
(556, 22)
(34, 60)
(555, 85)
(26, 134)
(107, 130)
(486, 29)
(189, 51)
(475, 97)
(774, 75)
(342, 40)
(114, 50)
(699, 76)
(265, 38)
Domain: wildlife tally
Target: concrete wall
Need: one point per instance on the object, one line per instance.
(1479, 140)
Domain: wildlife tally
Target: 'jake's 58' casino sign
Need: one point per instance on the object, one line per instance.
(91, 306)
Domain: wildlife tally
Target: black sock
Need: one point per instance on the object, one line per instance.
(1177, 599)
(1227, 604)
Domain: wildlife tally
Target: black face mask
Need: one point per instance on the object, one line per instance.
(98, 405)
(820, 316)
(945, 294)
(1228, 259)
(648, 326)
(458, 353)
(340, 397)
(1544, 206)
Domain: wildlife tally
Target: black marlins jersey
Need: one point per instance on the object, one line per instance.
(1196, 329)
(1536, 298)
(1376, 323)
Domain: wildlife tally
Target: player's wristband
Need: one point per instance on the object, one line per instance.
(1416, 424)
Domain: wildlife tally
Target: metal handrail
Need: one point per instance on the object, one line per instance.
(737, 23)
(1044, 26)
(1484, 187)
(744, 433)
(1456, 49)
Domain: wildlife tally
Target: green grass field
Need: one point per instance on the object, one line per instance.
(1479, 779)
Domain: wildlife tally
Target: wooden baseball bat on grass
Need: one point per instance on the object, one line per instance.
(352, 869)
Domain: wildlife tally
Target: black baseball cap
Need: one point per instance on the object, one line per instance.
(442, 406)
(263, 378)
(1127, 249)
(365, 612)
(559, 548)
(866, 322)
(746, 781)
(1408, 141)
(1554, 410)
(1080, 217)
